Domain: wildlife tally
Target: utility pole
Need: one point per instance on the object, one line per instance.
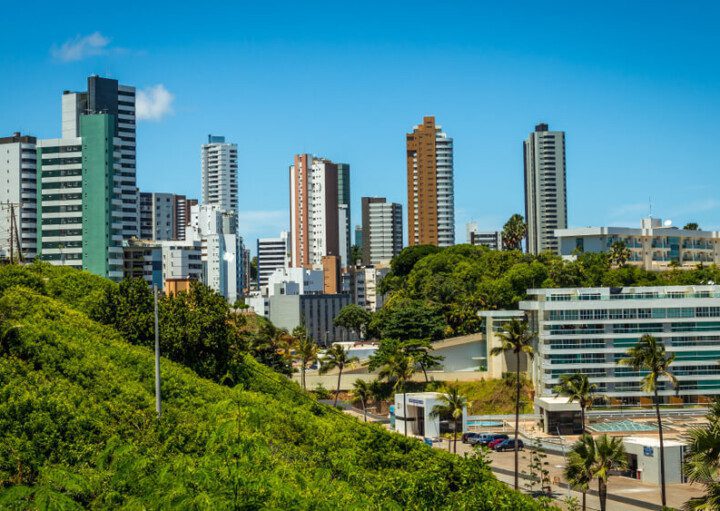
(15, 230)
(158, 405)
(12, 233)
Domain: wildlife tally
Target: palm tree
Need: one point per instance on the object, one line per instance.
(577, 387)
(619, 253)
(452, 404)
(578, 473)
(336, 356)
(515, 338)
(419, 350)
(362, 391)
(514, 232)
(703, 461)
(650, 355)
(399, 368)
(306, 351)
(590, 458)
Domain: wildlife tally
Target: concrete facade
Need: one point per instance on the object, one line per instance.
(430, 186)
(219, 173)
(18, 195)
(588, 330)
(382, 230)
(545, 188)
(652, 246)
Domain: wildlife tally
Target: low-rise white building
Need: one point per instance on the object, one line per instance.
(654, 246)
(414, 412)
(644, 459)
(295, 281)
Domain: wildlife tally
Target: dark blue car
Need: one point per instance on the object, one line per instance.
(509, 445)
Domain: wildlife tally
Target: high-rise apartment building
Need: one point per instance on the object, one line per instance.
(216, 228)
(430, 188)
(272, 254)
(545, 190)
(106, 96)
(164, 216)
(219, 173)
(79, 188)
(314, 210)
(382, 229)
(344, 220)
(18, 196)
(183, 206)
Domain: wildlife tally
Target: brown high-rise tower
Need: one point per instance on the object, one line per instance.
(431, 208)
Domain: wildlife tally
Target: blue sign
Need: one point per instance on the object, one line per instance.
(648, 451)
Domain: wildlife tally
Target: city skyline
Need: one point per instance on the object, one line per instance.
(650, 110)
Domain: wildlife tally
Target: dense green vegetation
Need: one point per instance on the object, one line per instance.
(446, 287)
(78, 427)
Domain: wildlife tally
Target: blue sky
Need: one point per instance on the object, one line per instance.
(634, 84)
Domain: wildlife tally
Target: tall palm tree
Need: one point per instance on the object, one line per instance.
(516, 338)
(336, 356)
(578, 473)
(703, 461)
(649, 355)
(452, 404)
(577, 387)
(595, 457)
(399, 368)
(306, 351)
(362, 391)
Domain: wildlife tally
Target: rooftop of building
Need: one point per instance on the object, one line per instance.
(710, 290)
(18, 137)
(649, 226)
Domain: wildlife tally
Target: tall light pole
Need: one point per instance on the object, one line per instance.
(158, 405)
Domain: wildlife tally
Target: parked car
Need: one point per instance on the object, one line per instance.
(466, 437)
(508, 445)
(494, 440)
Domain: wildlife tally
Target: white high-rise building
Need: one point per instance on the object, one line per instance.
(545, 190)
(314, 211)
(106, 96)
(18, 196)
(382, 230)
(219, 173)
(272, 254)
(216, 228)
(489, 239)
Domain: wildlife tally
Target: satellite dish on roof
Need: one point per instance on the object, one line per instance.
(667, 223)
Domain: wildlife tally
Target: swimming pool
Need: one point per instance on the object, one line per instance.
(620, 426)
(485, 424)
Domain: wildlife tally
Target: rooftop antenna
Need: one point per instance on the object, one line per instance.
(650, 206)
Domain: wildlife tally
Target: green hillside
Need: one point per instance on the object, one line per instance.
(78, 427)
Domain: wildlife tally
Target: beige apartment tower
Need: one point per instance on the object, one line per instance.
(430, 188)
(545, 191)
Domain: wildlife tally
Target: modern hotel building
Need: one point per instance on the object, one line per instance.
(588, 330)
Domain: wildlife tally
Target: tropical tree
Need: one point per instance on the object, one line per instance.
(336, 357)
(516, 338)
(354, 318)
(514, 232)
(398, 369)
(362, 391)
(577, 387)
(592, 458)
(691, 226)
(619, 253)
(452, 404)
(702, 464)
(579, 472)
(419, 350)
(649, 355)
(306, 351)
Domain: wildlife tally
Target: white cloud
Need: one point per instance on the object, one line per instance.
(153, 103)
(81, 47)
